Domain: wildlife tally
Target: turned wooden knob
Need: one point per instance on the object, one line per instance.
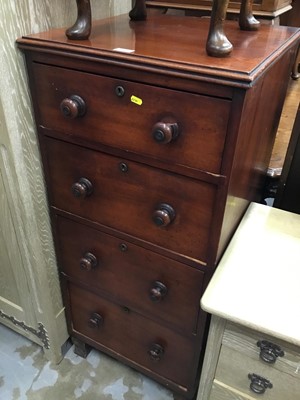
(164, 132)
(158, 291)
(73, 107)
(83, 188)
(88, 262)
(164, 215)
(95, 321)
(156, 352)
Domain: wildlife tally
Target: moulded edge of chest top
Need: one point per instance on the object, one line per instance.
(165, 45)
(158, 75)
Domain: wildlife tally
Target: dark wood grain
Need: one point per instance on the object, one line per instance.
(175, 54)
(150, 220)
(201, 120)
(126, 273)
(125, 332)
(126, 200)
(258, 5)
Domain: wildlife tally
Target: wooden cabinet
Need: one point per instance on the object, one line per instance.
(260, 6)
(249, 365)
(152, 152)
(253, 347)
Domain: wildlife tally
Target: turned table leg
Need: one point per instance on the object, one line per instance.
(246, 20)
(139, 11)
(82, 28)
(217, 44)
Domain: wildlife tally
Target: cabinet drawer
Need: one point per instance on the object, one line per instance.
(145, 281)
(130, 197)
(259, 346)
(220, 391)
(125, 332)
(233, 370)
(119, 122)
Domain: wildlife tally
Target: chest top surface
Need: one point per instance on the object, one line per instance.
(257, 282)
(174, 44)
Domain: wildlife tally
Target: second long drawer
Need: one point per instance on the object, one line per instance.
(169, 210)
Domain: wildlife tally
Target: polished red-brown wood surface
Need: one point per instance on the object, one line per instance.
(130, 334)
(168, 42)
(264, 6)
(127, 200)
(152, 152)
(129, 274)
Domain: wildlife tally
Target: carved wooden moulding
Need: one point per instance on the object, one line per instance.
(217, 44)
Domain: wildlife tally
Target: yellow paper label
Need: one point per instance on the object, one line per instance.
(136, 100)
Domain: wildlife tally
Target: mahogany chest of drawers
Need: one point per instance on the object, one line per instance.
(151, 152)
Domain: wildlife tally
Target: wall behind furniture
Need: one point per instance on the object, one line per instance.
(30, 299)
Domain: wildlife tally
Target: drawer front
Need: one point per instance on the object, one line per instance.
(258, 5)
(265, 348)
(133, 336)
(220, 391)
(233, 371)
(131, 197)
(145, 281)
(120, 122)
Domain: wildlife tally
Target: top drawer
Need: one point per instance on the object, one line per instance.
(134, 117)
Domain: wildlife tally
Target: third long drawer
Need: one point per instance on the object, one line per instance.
(147, 282)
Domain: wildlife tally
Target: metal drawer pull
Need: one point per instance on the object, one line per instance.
(259, 384)
(88, 262)
(83, 188)
(156, 352)
(269, 351)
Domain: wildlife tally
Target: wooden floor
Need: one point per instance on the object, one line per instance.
(285, 128)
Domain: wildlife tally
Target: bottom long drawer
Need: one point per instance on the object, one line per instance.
(134, 337)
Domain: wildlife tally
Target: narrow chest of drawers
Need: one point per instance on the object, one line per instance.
(151, 157)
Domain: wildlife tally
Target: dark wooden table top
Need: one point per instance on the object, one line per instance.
(175, 43)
